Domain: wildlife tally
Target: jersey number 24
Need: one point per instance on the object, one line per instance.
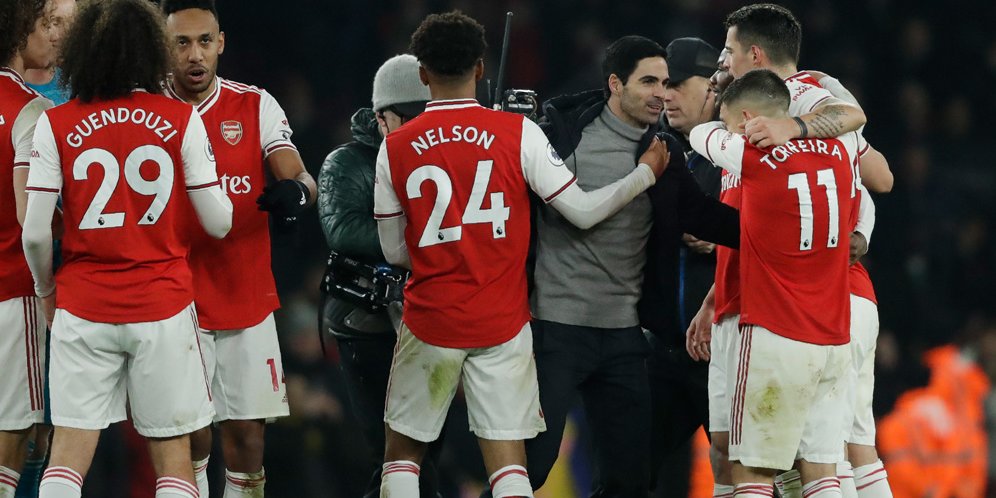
(434, 233)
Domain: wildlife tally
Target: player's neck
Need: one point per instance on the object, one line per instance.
(194, 98)
(785, 71)
(39, 76)
(17, 64)
(453, 92)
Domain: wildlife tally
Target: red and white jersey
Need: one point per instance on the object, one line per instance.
(794, 235)
(20, 107)
(807, 94)
(727, 294)
(123, 167)
(460, 173)
(233, 280)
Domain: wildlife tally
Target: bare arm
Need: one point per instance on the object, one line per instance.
(875, 172)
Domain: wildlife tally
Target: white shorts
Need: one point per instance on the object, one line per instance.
(153, 367)
(499, 383)
(789, 401)
(860, 423)
(22, 353)
(722, 359)
(246, 372)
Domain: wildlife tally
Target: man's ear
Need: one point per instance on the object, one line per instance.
(615, 84)
(479, 70)
(221, 42)
(422, 75)
(757, 56)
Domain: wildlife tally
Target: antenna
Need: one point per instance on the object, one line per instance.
(499, 86)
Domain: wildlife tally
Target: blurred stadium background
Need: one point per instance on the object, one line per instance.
(924, 73)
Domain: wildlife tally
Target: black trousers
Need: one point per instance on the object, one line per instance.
(366, 365)
(680, 405)
(608, 368)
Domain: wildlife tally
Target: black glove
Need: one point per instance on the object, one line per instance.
(286, 198)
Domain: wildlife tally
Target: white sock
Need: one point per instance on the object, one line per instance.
(511, 481)
(60, 482)
(201, 476)
(846, 475)
(8, 482)
(174, 487)
(722, 491)
(248, 485)
(872, 481)
(753, 490)
(828, 487)
(399, 480)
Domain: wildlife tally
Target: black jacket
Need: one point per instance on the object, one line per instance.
(345, 209)
(679, 206)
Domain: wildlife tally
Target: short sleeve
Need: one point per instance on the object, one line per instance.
(274, 130)
(23, 130)
(805, 97)
(542, 167)
(721, 147)
(45, 175)
(199, 169)
(386, 204)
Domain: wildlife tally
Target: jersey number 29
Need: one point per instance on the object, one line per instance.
(161, 187)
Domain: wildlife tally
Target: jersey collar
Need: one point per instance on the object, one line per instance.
(208, 102)
(11, 74)
(442, 105)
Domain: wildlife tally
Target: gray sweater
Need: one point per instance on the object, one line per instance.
(593, 277)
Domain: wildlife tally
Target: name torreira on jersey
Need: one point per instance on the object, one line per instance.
(122, 115)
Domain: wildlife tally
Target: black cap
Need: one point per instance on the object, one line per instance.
(687, 57)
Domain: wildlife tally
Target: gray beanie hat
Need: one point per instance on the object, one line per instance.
(397, 84)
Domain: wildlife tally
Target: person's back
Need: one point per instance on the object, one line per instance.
(122, 206)
(128, 164)
(794, 250)
(468, 215)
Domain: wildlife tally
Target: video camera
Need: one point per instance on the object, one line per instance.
(514, 100)
(371, 287)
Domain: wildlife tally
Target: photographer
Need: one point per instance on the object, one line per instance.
(345, 206)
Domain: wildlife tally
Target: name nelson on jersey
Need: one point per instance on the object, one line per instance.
(436, 136)
(122, 115)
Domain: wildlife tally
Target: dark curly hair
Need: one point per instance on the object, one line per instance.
(17, 21)
(449, 45)
(113, 47)
(771, 27)
(170, 6)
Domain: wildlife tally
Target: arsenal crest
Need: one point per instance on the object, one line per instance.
(231, 131)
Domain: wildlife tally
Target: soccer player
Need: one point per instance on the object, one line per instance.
(451, 197)
(793, 354)
(235, 291)
(345, 207)
(129, 163)
(22, 45)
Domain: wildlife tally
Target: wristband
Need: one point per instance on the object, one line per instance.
(802, 127)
